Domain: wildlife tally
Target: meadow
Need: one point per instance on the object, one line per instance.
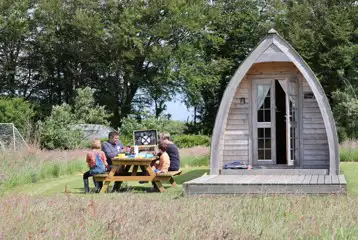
(54, 207)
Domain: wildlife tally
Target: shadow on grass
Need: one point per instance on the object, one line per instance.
(190, 175)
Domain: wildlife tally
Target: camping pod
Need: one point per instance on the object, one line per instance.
(274, 114)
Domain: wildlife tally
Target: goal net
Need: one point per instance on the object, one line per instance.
(10, 138)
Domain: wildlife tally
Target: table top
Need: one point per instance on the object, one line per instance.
(133, 161)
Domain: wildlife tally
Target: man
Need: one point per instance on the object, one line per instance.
(111, 149)
(172, 151)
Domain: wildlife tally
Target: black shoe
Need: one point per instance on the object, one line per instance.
(85, 183)
(116, 187)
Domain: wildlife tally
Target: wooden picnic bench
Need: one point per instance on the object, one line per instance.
(168, 176)
(135, 163)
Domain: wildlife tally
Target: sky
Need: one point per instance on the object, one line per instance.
(179, 111)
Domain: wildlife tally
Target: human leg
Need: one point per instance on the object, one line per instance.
(86, 175)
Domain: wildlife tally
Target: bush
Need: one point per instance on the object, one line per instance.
(345, 112)
(57, 129)
(187, 141)
(16, 111)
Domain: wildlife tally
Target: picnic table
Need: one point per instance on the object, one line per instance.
(127, 164)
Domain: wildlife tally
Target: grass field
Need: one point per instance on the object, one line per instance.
(56, 208)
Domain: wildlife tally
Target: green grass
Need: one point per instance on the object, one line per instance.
(57, 208)
(350, 171)
(349, 154)
(17, 169)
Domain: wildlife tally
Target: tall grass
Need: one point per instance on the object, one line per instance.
(22, 168)
(349, 151)
(158, 216)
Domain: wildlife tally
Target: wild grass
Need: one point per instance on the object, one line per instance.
(349, 151)
(154, 216)
(30, 167)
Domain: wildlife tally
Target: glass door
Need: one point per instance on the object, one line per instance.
(263, 122)
(291, 97)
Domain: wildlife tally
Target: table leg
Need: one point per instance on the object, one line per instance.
(159, 186)
(135, 169)
(157, 183)
(106, 183)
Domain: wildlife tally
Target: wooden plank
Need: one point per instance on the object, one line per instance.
(324, 163)
(320, 179)
(316, 147)
(318, 136)
(314, 179)
(335, 179)
(238, 121)
(227, 159)
(313, 120)
(301, 178)
(315, 142)
(316, 152)
(237, 142)
(342, 179)
(243, 111)
(236, 153)
(237, 132)
(327, 179)
(313, 131)
(236, 147)
(228, 138)
(314, 126)
(309, 115)
(236, 127)
(311, 110)
(307, 179)
(237, 116)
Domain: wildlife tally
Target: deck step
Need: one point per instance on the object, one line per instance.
(274, 171)
(266, 184)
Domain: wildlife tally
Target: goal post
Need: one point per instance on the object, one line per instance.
(11, 139)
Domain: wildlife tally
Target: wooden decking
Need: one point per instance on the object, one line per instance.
(266, 184)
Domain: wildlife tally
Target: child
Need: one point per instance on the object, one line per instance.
(164, 161)
(97, 162)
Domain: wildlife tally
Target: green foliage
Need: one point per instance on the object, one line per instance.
(187, 141)
(57, 130)
(86, 110)
(345, 112)
(17, 111)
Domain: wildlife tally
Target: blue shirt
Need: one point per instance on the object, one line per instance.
(111, 150)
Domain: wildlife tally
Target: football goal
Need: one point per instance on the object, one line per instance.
(10, 138)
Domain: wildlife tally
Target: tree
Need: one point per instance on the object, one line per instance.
(16, 111)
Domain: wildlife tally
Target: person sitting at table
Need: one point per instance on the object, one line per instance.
(112, 148)
(172, 151)
(164, 160)
(97, 162)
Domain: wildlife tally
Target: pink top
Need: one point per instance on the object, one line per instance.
(91, 158)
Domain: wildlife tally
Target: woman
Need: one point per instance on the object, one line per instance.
(97, 162)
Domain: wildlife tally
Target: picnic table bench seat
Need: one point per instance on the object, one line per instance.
(168, 176)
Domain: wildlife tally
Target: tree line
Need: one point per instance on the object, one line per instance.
(133, 53)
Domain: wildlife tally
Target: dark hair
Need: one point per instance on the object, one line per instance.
(112, 134)
(162, 146)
